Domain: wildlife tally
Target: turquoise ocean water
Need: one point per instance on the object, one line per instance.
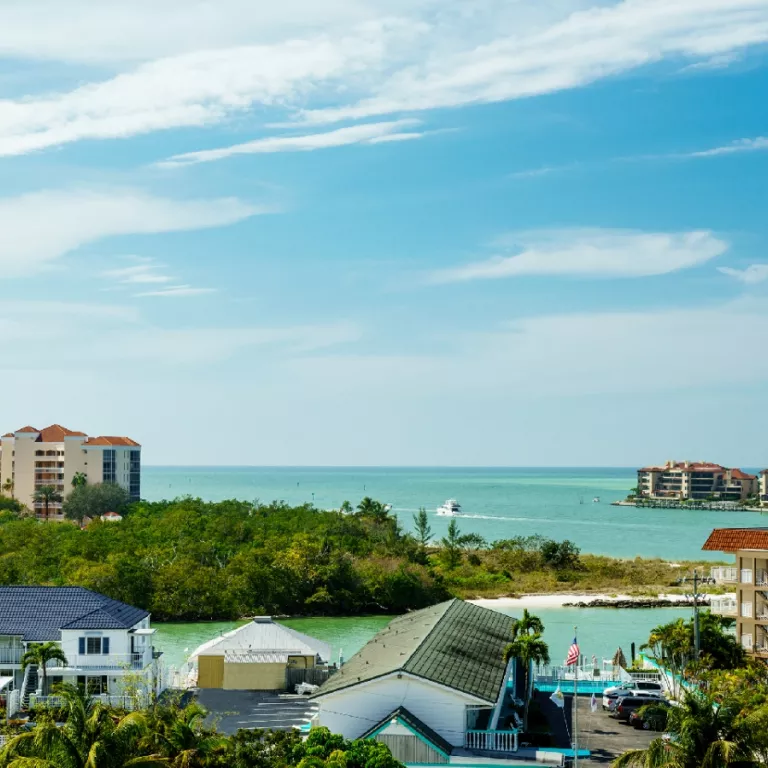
(497, 503)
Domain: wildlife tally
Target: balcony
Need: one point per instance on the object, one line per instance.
(723, 606)
(746, 610)
(93, 661)
(745, 576)
(11, 655)
(491, 741)
(723, 575)
(761, 578)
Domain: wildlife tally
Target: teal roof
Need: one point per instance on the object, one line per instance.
(455, 644)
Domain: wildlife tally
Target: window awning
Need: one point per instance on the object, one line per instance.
(143, 631)
(4, 681)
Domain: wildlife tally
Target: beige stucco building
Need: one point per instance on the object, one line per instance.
(763, 483)
(258, 656)
(748, 605)
(31, 458)
(696, 480)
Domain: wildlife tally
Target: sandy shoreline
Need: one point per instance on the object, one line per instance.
(559, 599)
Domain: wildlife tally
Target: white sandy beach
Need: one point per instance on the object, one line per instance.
(560, 599)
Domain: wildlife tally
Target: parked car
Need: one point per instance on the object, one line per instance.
(636, 685)
(610, 699)
(654, 719)
(626, 705)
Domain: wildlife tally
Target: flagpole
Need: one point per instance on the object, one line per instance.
(575, 710)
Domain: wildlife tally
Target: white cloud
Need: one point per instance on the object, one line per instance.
(592, 252)
(139, 273)
(754, 273)
(177, 291)
(384, 59)
(368, 133)
(37, 229)
(586, 46)
(735, 147)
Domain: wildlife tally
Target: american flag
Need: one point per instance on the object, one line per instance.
(573, 654)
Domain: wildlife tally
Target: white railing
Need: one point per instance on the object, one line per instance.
(762, 611)
(110, 660)
(746, 642)
(723, 606)
(724, 575)
(745, 577)
(130, 703)
(746, 610)
(11, 655)
(761, 578)
(491, 741)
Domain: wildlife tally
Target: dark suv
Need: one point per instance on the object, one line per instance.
(628, 704)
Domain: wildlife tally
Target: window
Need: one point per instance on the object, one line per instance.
(93, 685)
(134, 475)
(93, 645)
(109, 466)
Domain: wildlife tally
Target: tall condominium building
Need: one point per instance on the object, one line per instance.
(695, 480)
(31, 458)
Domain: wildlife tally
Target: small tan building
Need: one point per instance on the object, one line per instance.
(259, 656)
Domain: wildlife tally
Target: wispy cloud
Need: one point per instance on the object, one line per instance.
(139, 273)
(74, 217)
(177, 291)
(754, 273)
(591, 252)
(369, 133)
(740, 145)
(383, 64)
(547, 170)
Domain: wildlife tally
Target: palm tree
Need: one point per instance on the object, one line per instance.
(704, 734)
(346, 508)
(183, 739)
(48, 495)
(40, 654)
(8, 486)
(79, 479)
(90, 738)
(529, 649)
(528, 624)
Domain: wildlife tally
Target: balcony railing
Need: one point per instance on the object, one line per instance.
(723, 606)
(746, 610)
(11, 655)
(491, 741)
(745, 576)
(761, 578)
(724, 575)
(139, 660)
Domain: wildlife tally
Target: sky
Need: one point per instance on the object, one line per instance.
(358, 232)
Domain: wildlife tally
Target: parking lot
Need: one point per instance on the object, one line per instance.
(605, 737)
(232, 710)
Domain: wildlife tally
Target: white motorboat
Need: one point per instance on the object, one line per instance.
(450, 508)
(596, 500)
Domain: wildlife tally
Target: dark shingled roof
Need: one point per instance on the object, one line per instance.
(402, 714)
(38, 613)
(455, 644)
(732, 539)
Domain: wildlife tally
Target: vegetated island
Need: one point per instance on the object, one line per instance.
(191, 560)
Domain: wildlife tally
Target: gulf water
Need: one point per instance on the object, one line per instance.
(497, 503)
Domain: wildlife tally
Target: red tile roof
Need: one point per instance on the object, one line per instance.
(56, 434)
(732, 539)
(739, 475)
(111, 441)
(8, 434)
(27, 429)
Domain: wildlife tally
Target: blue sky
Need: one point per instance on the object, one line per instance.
(368, 232)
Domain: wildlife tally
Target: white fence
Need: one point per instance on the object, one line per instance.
(129, 703)
(491, 741)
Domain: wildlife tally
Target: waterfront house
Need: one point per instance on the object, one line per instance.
(429, 685)
(748, 605)
(262, 656)
(695, 480)
(108, 644)
(31, 458)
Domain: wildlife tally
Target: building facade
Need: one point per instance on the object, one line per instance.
(54, 456)
(107, 644)
(433, 681)
(748, 604)
(763, 483)
(697, 481)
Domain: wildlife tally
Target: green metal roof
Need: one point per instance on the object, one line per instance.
(455, 644)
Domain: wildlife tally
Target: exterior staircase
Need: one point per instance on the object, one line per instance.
(29, 684)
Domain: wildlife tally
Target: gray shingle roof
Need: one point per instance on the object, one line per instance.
(455, 644)
(39, 613)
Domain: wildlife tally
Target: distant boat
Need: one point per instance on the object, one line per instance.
(450, 508)
(596, 500)
(387, 507)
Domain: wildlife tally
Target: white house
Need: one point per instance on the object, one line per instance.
(108, 644)
(431, 683)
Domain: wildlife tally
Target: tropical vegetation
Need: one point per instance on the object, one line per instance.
(41, 654)
(47, 495)
(193, 560)
(95, 736)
